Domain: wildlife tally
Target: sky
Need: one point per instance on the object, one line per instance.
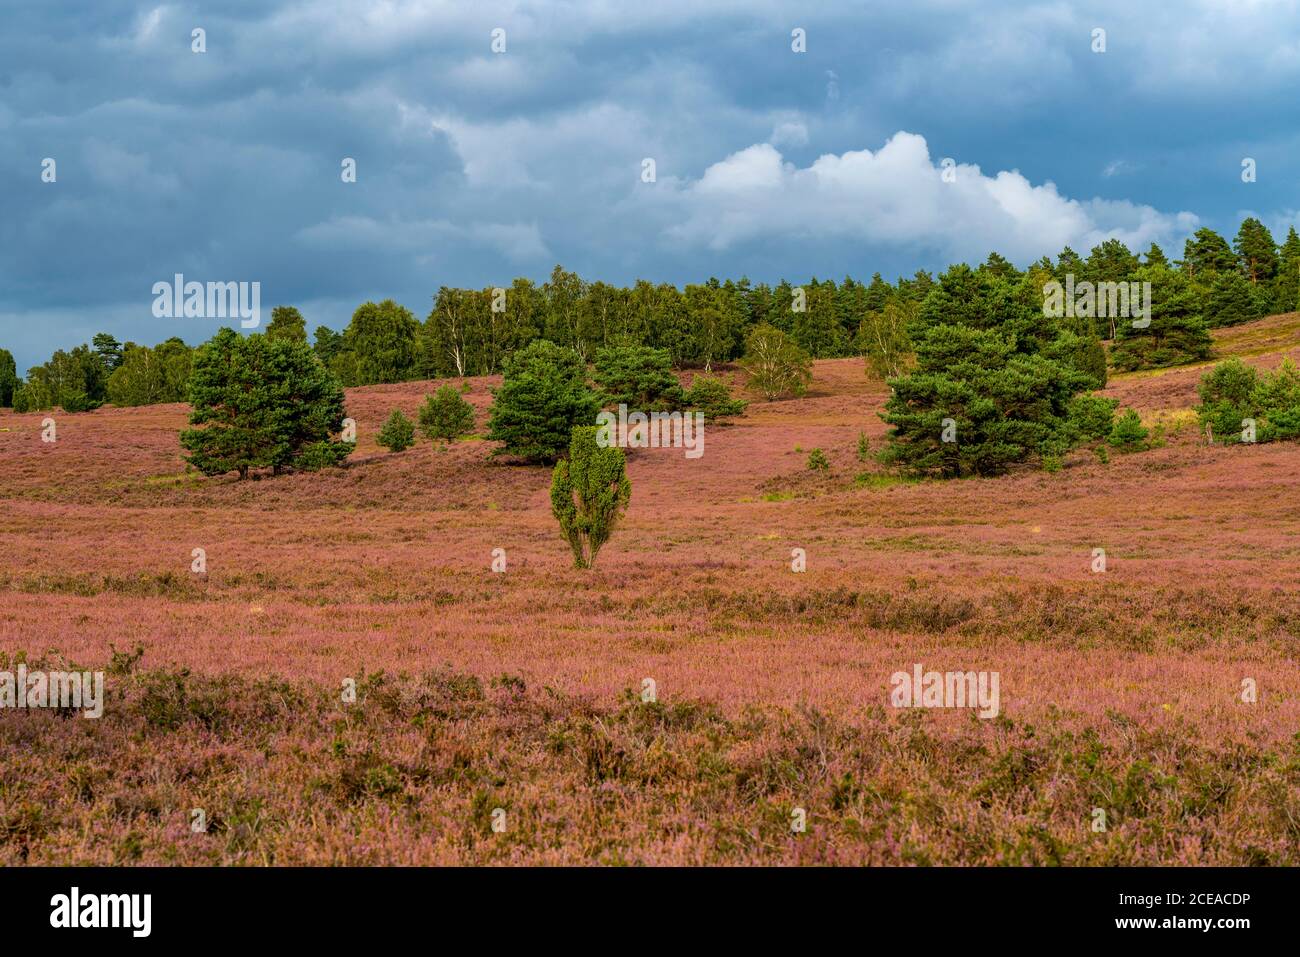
(475, 165)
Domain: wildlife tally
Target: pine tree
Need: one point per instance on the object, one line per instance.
(1233, 300)
(1176, 333)
(639, 377)
(1128, 433)
(999, 267)
(328, 344)
(1291, 247)
(816, 329)
(1286, 284)
(109, 351)
(1256, 251)
(446, 416)
(975, 406)
(544, 395)
(398, 433)
(710, 397)
(1155, 256)
(1227, 398)
(287, 323)
(1068, 262)
(878, 294)
(1207, 252)
(1111, 261)
(259, 402)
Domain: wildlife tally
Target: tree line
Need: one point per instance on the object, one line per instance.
(473, 331)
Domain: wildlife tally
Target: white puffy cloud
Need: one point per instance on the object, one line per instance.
(897, 196)
(789, 133)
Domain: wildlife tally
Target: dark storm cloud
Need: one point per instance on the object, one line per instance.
(474, 167)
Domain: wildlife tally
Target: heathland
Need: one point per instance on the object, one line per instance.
(475, 690)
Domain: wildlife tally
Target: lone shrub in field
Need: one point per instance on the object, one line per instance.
(817, 461)
(711, 398)
(398, 434)
(589, 493)
(776, 364)
(543, 397)
(1129, 434)
(261, 402)
(446, 416)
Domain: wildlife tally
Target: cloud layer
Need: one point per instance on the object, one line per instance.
(475, 166)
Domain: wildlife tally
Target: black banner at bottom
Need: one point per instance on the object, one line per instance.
(337, 906)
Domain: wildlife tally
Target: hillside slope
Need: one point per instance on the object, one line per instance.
(386, 565)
